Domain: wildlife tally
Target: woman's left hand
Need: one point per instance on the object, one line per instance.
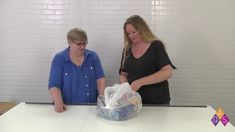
(136, 85)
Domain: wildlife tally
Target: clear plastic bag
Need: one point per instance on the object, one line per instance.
(120, 102)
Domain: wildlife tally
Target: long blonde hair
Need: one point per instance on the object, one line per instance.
(142, 28)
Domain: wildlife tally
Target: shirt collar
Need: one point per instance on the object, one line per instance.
(67, 57)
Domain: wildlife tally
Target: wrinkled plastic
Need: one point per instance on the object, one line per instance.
(119, 103)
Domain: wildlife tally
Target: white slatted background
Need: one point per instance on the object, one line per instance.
(198, 34)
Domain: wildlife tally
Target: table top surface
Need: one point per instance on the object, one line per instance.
(83, 118)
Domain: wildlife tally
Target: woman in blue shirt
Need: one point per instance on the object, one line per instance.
(76, 75)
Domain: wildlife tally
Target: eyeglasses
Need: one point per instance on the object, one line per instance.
(81, 43)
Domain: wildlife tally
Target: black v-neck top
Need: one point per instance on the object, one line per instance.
(149, 63)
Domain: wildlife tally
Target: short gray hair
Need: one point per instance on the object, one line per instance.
(77, 34)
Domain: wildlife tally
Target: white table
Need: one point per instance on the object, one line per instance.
(83, 118)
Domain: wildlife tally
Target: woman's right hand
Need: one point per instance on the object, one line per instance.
(57, 98)
(60, 107)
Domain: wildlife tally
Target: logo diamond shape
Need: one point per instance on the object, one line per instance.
(215, 119)
(225, 120)
(220, 113)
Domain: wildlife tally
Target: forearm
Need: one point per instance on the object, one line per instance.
(101, 85)
(58, 100)
(162, 75)
(123, 77)
(56, 95)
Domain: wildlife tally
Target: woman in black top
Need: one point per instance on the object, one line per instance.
(145, 63)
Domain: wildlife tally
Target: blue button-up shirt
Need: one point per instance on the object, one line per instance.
(77, 83)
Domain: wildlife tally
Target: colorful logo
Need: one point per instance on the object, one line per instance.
(220, 116)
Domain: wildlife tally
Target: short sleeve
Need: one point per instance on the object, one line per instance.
(56, 73)
(98, 67)
(162, 56)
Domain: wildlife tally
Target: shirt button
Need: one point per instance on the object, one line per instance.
(85, 76)
(86, 85)
(87, 94)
